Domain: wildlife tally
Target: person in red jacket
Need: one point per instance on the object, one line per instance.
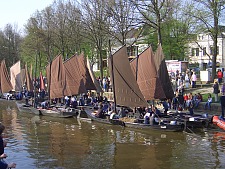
(219, 76)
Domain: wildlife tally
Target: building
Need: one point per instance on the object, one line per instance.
(201, 50)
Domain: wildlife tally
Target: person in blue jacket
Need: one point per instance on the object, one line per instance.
(3, 164)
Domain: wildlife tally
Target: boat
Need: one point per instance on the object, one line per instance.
(90, 111)
(67, 78)
(60, 113)
(5, 83)
(127, 93)
(153, 80)
(219, 122)
(28, 108)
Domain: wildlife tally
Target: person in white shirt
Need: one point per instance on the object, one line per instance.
(187, 80)
(193, 79)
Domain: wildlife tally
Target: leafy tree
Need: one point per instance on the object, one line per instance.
(208, 14)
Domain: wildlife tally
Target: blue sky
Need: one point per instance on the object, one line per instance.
(19, 11)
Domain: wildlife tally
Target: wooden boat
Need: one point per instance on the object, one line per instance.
(54, 112)
(127, 93)
(90, 113)
(28, 108)
(219, 121)
(175, 127)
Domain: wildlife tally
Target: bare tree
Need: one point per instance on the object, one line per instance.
(208, 14)
(122, 20)
(154, 13)
(94, 19)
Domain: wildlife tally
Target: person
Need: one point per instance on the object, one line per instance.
(157, 112)
(191, 109)
(222, 103)
(208, 103)
(147, 116)
(44, 104)
(185, 100)
(4, 165)
(199, 99)
(122, 112)
(100, 112)
(223, 89)
(193, 80)
(113, 115)
(187, 80)
(216, 90)
(165, 106)
(73, 102)
(219, 76)
(3, 143)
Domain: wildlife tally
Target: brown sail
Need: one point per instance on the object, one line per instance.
(29, 81)
(56, 77)
(96, 83)
(6, 85)
(85, 73)
(15, 74)
(74, 79)
(23, 76)
(147, 79)
(127, 92)
(163, 73)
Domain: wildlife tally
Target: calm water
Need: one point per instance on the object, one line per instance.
(41, 142)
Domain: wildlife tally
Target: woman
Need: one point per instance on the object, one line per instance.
(216, 90)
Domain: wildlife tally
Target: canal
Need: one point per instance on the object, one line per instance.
(43, 142)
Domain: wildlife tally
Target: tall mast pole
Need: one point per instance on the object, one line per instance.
(112, 78)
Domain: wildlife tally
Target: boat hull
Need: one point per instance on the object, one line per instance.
(27, 108)
(218, 122)
(55, 113)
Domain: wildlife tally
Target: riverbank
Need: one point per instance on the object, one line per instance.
(206, 89)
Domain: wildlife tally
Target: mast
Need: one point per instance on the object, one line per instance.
(112, 78)
(35, 78)
(136, 63)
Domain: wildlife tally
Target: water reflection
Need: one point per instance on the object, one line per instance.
(43, 142)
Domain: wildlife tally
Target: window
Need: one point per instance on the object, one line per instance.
(204, 51)
(212, 52)
(192, 51)
(197, 51)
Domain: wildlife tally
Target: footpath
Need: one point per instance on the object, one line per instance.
(206, 89)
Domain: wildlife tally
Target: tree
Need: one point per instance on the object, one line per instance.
(154, 13)
(208, 14)
(94, 18)
(122, 20)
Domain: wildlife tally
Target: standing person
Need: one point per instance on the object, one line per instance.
(223, 70)
(165, 106)
(216, 90)
(187, 80)
(219, 76)
(223, 89)
(193, 80)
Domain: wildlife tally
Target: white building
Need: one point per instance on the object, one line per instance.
(201, 51)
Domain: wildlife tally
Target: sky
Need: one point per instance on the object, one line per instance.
(17, 12)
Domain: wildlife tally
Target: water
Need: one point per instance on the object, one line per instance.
(42, 142)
